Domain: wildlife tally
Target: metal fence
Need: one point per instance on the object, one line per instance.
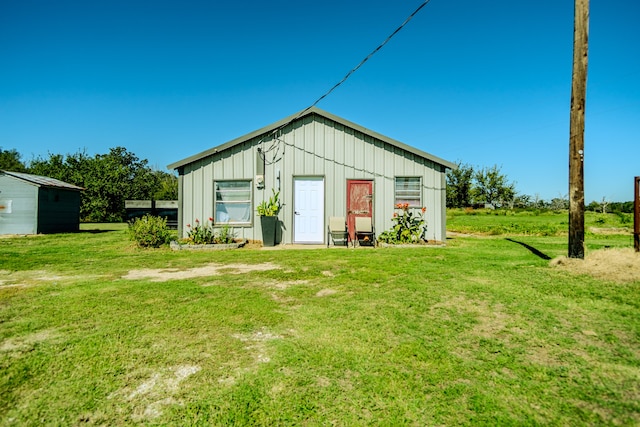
(163, 208)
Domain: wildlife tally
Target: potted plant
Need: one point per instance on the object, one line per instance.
(268, 213)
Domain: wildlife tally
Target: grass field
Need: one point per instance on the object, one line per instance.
(94, 331)
(551, 223)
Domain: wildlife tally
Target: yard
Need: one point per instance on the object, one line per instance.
(484, 331)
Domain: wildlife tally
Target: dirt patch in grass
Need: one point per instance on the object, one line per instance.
(617, 265)
(31, 278)
(326, 292)
(156, 392)
(26, 343)
(256, 344)
(610, 230)
(24, 279)
(280, 285)
(13, 285)
(165, 274)
(257, 348)
(490, 320)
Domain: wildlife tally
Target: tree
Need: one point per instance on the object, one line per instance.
(460, 185)
(10, 161)
(624, 207)
(112, 179)
(537, 201)
(492, 187)
(108, 180)
(559, 203)
(593, 207)
(70, 168)
(521, 201)
(166, 186)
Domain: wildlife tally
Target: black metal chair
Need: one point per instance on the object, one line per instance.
(337, 231)
(365, 234)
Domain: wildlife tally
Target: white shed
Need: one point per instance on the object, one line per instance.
(32, 204)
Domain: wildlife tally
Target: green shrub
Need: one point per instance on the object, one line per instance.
(625, 218)
(149, 231)
(205, 234)
(225, 235)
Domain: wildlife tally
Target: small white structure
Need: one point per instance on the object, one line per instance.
(32, 204)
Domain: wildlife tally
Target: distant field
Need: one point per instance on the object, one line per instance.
(498, 222)
(92, 226)
(484, 331)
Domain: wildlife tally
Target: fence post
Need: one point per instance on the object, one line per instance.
(636, 216)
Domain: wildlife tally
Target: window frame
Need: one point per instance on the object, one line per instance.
(406, 198)
(249, 189)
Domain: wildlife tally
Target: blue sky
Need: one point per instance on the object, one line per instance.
(486, 83)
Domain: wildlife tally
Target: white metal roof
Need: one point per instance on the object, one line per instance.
(42, 181)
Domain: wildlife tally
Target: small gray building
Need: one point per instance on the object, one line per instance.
(32, 204)
(323, 166)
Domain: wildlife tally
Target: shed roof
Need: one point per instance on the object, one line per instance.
(317, 111)
(42, 181)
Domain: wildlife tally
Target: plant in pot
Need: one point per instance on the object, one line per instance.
(268, 213)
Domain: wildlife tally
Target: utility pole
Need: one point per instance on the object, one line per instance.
(576, 129)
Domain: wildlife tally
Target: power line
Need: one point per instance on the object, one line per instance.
(353, 70)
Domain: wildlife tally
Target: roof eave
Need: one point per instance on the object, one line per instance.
(299, 115)
(25, 177)
(388, 140)
(233, 142)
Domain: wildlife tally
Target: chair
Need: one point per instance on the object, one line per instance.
(364, 232)
(337, 231)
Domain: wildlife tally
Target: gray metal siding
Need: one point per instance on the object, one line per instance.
(23, 199)
(58, 210)
(317, 146)
(37, 209)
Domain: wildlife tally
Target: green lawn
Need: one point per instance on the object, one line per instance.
(481, 332)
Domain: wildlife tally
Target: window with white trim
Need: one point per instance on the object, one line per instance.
(408, 189)
(232, 202)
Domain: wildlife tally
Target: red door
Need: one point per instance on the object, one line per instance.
(359, 202)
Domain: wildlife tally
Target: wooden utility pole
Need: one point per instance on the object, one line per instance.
(576, 129)
(636, 216)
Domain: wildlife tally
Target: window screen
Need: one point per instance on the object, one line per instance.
(409, 190)
(232, 202)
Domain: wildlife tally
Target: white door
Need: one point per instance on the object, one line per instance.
(308, 218)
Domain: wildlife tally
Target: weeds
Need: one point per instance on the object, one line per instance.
(408, 227)
(150, 231)
(206, 234)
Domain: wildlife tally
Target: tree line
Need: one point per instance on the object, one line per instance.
(467, 186)
(488, 186)
(108, 179)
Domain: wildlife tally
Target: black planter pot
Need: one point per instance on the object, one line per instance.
(268, 224)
